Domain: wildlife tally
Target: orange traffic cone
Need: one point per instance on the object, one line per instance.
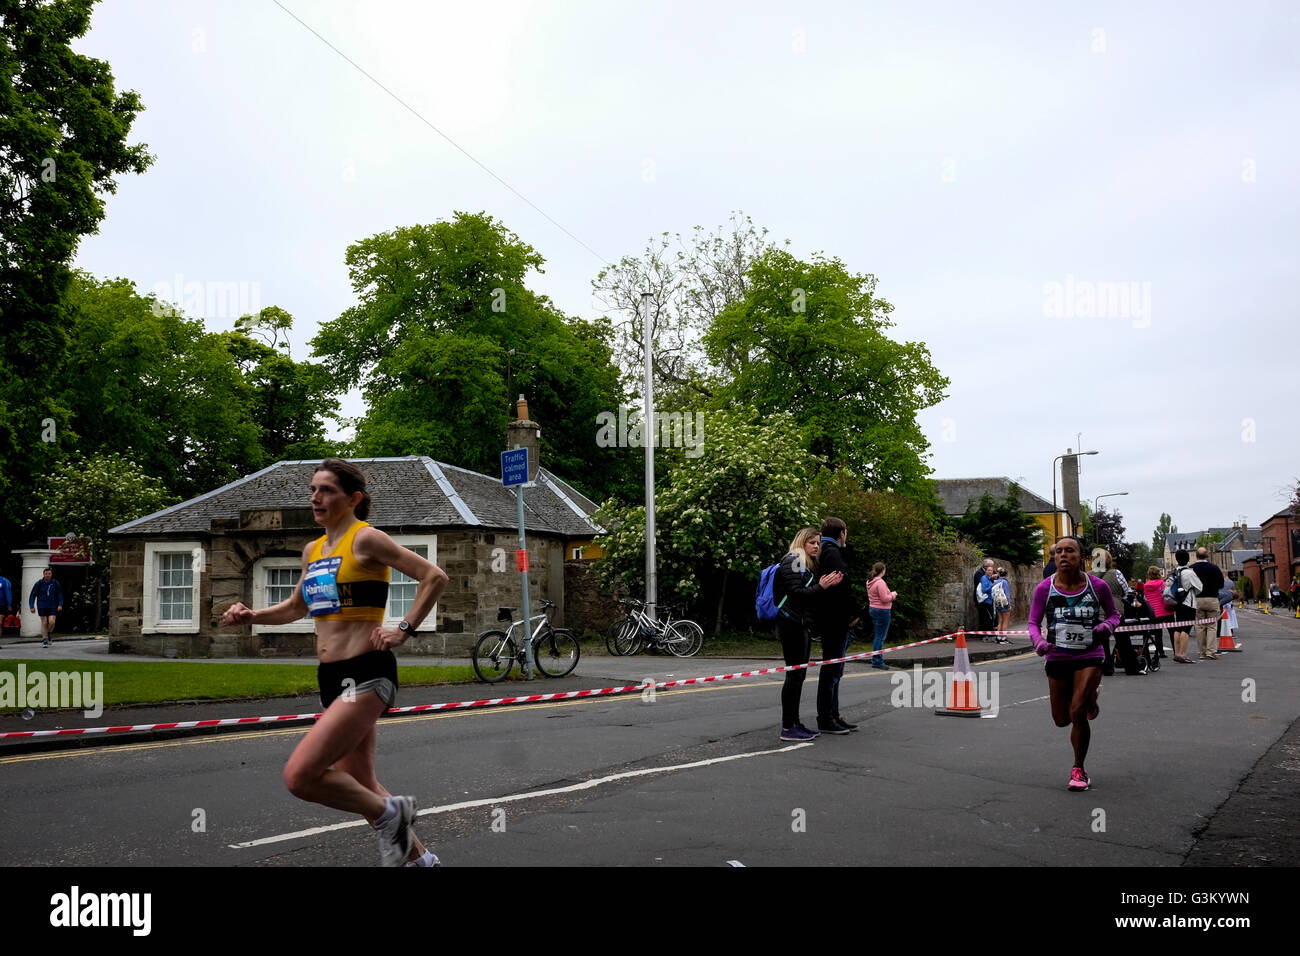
(1226, 642)
(963, 700)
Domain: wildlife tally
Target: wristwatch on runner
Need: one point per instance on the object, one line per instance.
(405, 628)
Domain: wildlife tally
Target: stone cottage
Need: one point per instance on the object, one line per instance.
(174, 572)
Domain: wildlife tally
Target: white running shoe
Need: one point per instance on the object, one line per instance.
(395, 835)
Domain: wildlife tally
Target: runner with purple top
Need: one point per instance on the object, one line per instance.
(1080, 615)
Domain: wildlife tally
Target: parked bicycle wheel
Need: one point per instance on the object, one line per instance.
(556, 654)
(628, 640)
(684, 638)
(494, 655)
(611, 636)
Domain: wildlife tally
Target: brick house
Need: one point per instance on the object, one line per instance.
(175, 571)
(1279, 561)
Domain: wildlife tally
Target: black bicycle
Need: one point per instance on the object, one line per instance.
(555, 650)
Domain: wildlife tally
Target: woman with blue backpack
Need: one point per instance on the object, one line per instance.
(796, 589)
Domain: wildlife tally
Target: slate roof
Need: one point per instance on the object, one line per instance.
(956, 493)
(412, 492)
(1231, 539)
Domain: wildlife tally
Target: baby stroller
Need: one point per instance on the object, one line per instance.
(1137, 650)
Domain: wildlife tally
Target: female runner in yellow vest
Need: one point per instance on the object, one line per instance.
(344, 586)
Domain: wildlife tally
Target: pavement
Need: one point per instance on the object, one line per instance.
(594, 671)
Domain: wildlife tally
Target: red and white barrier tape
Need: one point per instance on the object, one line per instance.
(525, 699)
(462, 704)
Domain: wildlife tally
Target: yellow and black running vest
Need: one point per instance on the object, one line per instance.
(337, 588)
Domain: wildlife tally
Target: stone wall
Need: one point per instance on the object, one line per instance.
(952, 603)
(589, 609)
(480, 565)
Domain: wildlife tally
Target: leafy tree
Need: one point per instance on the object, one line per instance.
(446, 334)
(1164, 527)
(1208, 540)
(63, 142)
(810, 338)
(883, 526)
(1108, 533)
(91, 495)
(289, 400)
(1001, 528)
(1142, 558)
(691, 280)
(724, 515)
(193, 408)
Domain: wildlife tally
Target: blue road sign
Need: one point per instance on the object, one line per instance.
(514, 467)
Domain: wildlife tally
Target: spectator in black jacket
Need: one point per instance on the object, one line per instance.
(832, 616)
(797, 590)
(1207, 605)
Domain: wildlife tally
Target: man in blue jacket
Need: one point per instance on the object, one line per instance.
(46, 600)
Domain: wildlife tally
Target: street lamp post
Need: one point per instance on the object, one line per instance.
(1056, 515)
(1096, 508)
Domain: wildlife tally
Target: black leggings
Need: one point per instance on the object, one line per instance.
(796, 645)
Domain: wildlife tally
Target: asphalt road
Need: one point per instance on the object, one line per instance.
(697, 777)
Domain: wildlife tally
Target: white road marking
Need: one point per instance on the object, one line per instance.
(1032, 699)
(735, 863)
(495, 801)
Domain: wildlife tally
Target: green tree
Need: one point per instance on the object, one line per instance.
(91, 495)
(446, 334)
(1164, 527)
(691, 280)
(883, 526)
(810, 338)
(289, 400)
(1108, 533)
(63, 142)
(193, 408)
(723, 517)
(1000, 528)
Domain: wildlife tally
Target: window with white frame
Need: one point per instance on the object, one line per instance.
(401, 588)
(172, 573)
(274, 580)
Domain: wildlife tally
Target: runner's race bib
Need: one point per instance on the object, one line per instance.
(1072, 637)
(320, 587)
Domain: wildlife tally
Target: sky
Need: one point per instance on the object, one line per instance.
(1088, 215)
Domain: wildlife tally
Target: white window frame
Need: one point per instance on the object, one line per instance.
(431, 542)
(149, 598)
(304, 624)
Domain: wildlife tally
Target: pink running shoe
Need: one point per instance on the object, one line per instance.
(1079, 779)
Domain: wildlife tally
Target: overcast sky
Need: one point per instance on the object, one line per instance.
(1088, 215)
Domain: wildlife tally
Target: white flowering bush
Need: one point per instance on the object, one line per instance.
(720, 518)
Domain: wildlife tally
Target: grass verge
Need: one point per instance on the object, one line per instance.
(163, 682)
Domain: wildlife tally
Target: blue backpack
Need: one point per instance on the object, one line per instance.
(765, 605)
(764, 600)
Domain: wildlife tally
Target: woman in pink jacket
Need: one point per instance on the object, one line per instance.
(881, 601)
(1153, 589)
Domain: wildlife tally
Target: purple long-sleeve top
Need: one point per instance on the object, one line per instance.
(1038, 610)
